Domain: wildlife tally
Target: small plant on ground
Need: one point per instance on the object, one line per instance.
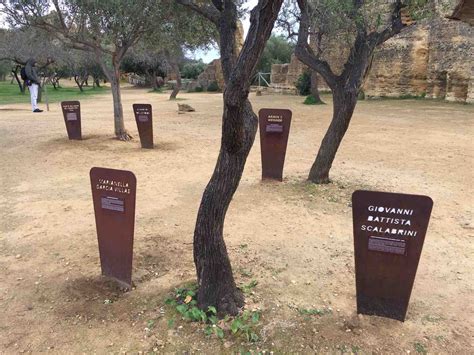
(184, 302)
(420, 348)
(246, 289)
(311, 100)
(313, 311)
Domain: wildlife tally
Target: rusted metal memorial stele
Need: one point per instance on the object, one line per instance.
(389, 231)
(274, 130)
(72, 118)
(113, 193)
(143, 116)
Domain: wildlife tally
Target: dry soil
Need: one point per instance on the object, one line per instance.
(293, 238)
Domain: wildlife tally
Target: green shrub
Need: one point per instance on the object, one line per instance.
(213, 87)
(199, 89)
(303, 84)
(192, 69)
(311, 100)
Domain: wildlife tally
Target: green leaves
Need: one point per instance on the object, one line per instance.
(246, 289)
(244, 324)
(212, 310)
(185, 303)
(236, 325)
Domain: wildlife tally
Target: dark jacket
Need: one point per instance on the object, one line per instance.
(30, 71)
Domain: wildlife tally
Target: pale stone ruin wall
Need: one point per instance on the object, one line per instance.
(451, 61)
(213, 72)
(434, 58)
(287, 74)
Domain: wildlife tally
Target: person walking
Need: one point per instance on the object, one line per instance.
(33, 83)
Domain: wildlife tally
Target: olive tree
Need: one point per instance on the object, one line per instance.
(17, 45)
(355, 28)
(186, 31)
(239, 125)
(106, 28)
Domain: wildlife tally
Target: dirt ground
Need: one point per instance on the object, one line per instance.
(295, 239)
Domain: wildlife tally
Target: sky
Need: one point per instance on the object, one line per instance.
(210, 55)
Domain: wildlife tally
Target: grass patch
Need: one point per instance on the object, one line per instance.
(10, 94)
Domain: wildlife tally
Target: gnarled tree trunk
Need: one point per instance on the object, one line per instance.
(120, 131)
(344, 102)
(177, 87)
(113, 76)
(314, 87)
(21, 84)
(214, 272)
(79, 82)
(239, 125)
(345, 87)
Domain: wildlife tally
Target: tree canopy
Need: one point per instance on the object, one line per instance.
(278, 50)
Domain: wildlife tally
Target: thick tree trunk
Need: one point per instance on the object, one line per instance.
(55, 82)
(40, 91)
(344, 102)
(120, 131)
(314, 86)
(20, 83)
(177, 87)
(79, 82)
(239, 125)
(152, 79)
(214, 272)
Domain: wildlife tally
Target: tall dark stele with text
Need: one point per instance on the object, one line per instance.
(72, 119)
(274, 130)
(114, 194)
(144, 118)
(389, 231)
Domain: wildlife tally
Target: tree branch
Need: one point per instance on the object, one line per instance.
(262, 20)
(209, 12)
(394, 28)
(304, 52)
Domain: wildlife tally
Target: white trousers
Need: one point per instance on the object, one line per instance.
(34, 95)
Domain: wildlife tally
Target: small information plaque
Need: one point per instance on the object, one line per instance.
(72, 118)
(387, 245)
(274, 130)
(144, 118)
(112, 203)
(389, 231)
(113, 194)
